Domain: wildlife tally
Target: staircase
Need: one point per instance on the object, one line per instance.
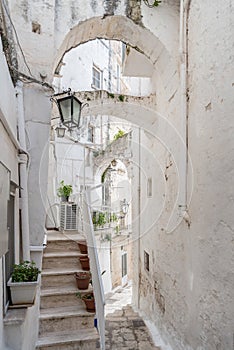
(64, 322)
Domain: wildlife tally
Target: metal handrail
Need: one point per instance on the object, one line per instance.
(95, 270)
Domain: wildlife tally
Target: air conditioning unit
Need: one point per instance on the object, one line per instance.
(68, 216)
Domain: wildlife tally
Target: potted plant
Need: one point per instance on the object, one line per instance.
(84, 260)
(64, 191)
(89, 300)
(83, 247)
(23, 282)
(82, 279)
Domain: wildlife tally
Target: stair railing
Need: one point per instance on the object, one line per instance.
(95, 269)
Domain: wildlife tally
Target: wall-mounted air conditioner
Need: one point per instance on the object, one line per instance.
(68, 216)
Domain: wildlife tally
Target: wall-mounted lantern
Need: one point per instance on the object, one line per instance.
(124, 206)
(69, 109)
(114, 162)
(60, 131)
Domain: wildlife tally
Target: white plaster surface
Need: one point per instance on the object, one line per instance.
(8, 99)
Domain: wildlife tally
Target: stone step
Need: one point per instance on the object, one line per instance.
(54, 277)
(61, 319)
(61, 245)
(63, 296)
(82, 340)
(63, 260)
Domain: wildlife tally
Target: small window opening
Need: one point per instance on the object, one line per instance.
(149, 187)
(36, 28)
(90, 133)
(97, 78)
(146, 261)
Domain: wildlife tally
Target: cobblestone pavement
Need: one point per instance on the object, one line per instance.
(125, 329)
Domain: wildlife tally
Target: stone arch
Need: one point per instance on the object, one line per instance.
(106, 161)
(140, 111)
(121, 28)
(125, 107)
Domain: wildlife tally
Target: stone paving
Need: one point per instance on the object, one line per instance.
(125, 329)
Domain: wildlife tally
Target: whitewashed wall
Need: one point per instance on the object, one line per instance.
(8, 153)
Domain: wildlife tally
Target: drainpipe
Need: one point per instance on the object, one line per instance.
(139, 219)
(84, 172)
(183, 52)
(23, 160)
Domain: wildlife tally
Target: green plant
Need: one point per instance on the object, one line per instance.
(25, 272)
(119, 134)
(113, 217)
(95, 219)
(89, 296)
(121, 98)
(108, 237)
(111, 95)
(104, 176)
(154, 4)
(117, 229)
(64, 190)
(101, 219)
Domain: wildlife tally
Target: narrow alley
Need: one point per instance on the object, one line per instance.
(125, 329)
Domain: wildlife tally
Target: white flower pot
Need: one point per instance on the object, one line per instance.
(22, 292)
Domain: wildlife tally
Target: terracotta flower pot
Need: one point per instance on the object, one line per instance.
(89, 302)
(85, 263)
(82, 280)
(83, 247)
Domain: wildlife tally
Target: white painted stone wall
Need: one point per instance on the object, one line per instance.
(211, 145)
(37, 109)
(189, 274)
(7, 115)
(8, 154)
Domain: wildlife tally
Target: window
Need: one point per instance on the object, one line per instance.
(124, 264)
(149, 187)
(123, 52)
(97, 78)
(146, 261)
(124, 268)
(90, 133)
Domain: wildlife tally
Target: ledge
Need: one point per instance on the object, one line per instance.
(15, 316)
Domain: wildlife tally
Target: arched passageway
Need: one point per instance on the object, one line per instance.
(125, 30)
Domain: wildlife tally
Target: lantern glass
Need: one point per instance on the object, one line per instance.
(76, 111)
(65, 106)
(70, 110)
(60, 131)
(125, 206)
